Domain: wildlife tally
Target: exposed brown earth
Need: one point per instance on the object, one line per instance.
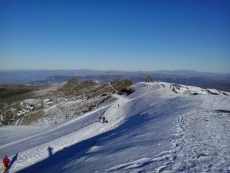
(33, 117)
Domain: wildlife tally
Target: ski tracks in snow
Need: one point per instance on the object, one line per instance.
(205, 142)
(198, 146)
(137, 164)
(201, 144)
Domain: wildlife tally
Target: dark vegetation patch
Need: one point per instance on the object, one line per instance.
(5, 93)
(14, 93)
(17, 98)
(2, 89)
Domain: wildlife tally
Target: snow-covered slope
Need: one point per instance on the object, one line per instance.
(159, 128)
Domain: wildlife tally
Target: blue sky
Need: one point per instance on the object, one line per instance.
(115, 35)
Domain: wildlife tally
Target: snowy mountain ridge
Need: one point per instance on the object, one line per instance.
(161, 127)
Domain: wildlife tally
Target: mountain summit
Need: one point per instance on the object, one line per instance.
(70, 84)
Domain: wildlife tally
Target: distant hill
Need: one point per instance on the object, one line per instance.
(69, 86)
(187, 77)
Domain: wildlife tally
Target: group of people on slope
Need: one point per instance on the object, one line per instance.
(104, 120)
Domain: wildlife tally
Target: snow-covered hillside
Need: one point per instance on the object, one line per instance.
(159, 128)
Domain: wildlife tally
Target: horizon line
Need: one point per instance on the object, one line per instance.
(144, 71)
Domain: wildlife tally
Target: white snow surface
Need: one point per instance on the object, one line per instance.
(152, 130)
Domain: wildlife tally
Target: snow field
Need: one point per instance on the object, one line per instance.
(152, 130)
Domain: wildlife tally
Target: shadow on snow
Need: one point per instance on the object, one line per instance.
(13, 160)
(56, 162)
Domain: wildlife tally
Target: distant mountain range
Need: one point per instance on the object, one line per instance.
(188, 77)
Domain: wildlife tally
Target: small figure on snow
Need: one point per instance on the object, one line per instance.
(6, 162)
(104, 120)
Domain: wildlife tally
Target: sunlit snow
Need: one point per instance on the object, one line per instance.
(155, 129)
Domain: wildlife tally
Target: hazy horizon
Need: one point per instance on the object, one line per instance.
(128, 71)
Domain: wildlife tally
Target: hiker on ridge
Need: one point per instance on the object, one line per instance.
(104, 120)
(6, 162)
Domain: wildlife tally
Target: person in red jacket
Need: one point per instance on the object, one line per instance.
(6, 162)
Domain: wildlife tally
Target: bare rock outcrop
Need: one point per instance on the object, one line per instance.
(85, 86)
(69, 86)
(149, 79)
(121, 84)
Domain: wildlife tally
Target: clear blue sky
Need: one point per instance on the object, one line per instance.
(115, 35)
